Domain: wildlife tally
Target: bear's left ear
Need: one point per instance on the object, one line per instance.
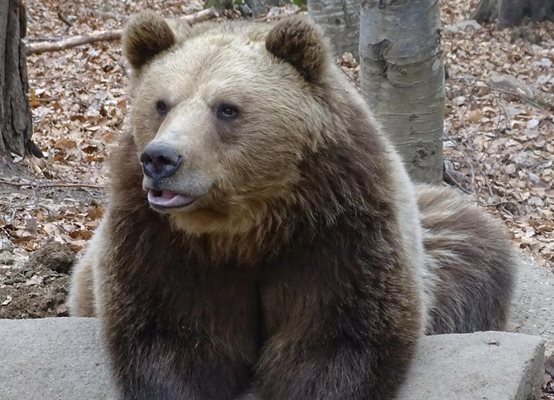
(145, 36)
(301, 43)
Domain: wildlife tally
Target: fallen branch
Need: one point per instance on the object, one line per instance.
(51, 185)
(42, 47)
(103, 14)
(453, 177)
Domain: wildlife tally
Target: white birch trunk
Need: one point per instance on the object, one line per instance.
(402, 76)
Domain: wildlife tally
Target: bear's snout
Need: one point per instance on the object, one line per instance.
(159, 160)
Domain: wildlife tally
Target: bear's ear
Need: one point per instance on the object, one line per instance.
(301, 43)
(145, 36)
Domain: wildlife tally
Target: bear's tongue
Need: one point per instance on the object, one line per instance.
(166, 198)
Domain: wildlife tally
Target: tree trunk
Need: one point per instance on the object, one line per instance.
(402, 77)
(340, 19)
(15, 114)
(511, 12)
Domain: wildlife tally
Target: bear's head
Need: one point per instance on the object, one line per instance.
(224, 114)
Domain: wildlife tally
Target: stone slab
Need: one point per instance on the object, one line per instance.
(52, 359)
(533, 304)
(62, 359)
(477, 366)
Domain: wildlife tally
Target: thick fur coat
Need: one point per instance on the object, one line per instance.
(308, 265)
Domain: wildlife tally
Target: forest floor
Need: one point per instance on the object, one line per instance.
(499, 137)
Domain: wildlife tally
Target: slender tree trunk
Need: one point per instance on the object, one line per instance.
(511, 12)
(15, 114)
(402, 77)
(340, 19)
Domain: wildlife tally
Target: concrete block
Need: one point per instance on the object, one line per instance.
(62, 359)
(533, 304)
(52, 359)
(477, 366)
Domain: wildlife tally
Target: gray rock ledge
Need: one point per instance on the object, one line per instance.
(62, 359)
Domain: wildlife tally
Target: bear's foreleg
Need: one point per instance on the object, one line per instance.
(81, 300)
(338, 328)
(177, 330)
(81, 292)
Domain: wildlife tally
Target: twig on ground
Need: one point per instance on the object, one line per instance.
(42, 47)
(468, 161)
(64, 19)
(103, 14)
(451, 180)
(51, 184)
(488, 184)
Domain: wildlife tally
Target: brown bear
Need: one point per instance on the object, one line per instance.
(262, 239)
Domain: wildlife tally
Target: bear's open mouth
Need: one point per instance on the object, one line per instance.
(168, 199)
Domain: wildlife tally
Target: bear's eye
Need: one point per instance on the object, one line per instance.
(227, 112)
(162, 108)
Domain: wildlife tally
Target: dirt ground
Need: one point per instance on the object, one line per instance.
(39, 287)
(499, 139)
(33, 284)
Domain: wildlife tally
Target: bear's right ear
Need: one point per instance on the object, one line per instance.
(145, 36)
(301, 43)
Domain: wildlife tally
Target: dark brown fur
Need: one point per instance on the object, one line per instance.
(138, 45)
(327, 302)
(473, 260)
(315, 312)
(300, 46)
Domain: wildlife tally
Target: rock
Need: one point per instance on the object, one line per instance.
(13, 279)
(483, 365)
(53, 255)
(511, 84)
(7, 258)
(545, 79)
(533, 123)
(549, 365)
(62, 359)
(6, 245)
(535, 201)
(532, 309)
(52, 359)
(543, 62)
(34, 280)
(464, 25)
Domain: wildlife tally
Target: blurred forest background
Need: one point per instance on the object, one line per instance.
(498, 136)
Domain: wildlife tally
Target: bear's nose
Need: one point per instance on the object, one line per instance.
(159, 160)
